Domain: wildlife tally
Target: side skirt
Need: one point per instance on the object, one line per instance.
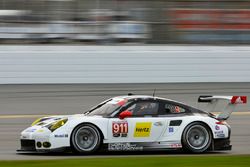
(141, 146)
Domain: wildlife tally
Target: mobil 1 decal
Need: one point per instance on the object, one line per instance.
(120, 129)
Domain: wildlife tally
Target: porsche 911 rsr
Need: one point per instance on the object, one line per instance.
(135, 123)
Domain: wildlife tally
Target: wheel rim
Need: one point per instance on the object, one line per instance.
(197, 137)
(86, 138)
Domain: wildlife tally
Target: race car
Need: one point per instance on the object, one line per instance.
(135, 123)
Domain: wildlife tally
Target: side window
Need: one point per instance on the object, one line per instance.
(144, 108)
(173, 109)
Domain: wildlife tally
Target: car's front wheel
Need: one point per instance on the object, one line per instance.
(86, 139)
(196, 137)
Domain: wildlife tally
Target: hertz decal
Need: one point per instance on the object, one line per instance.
(142, 129)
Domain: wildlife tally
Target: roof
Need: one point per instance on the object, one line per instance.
(145, 97)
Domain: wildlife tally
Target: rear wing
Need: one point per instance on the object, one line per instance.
(231, 102)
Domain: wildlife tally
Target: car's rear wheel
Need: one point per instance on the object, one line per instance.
(196, 138)
(86, 139)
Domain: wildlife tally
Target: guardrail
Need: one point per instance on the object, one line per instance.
(40, 64)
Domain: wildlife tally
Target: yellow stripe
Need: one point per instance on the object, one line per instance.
(38, 116)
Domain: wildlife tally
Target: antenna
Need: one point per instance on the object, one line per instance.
(154, 93)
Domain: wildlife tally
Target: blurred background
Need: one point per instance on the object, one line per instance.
(65, 56)
(125, 21)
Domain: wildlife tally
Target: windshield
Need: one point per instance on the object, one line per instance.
(106, 108)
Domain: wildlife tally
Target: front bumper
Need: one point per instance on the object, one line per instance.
(222, 144)
(28, 145)
(40, 139)
(35, 138)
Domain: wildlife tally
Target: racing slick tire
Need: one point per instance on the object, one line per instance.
(196, 138)
(85, 139)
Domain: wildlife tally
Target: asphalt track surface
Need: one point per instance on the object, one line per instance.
(21, 104)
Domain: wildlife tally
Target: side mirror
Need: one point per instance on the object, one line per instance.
(125, 114)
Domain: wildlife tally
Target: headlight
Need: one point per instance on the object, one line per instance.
(57, 124)
(39, 120)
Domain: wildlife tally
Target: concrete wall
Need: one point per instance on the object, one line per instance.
(123, 64)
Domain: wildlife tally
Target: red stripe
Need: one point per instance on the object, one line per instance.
(121, 103)
(239, 100)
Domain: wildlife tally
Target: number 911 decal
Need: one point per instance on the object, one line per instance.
(120, 129)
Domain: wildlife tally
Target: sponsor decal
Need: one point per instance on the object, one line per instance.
(158, 124)
(176, 145)
(217, 127)
(142, 129)
(120, 129)
(170, 129)
(124, 147)
(219, 133)
(61, 135)
(40, 130)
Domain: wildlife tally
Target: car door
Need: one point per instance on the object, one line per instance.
(174, 114)
(143, 126)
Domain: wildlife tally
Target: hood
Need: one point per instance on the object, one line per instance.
(50, 119)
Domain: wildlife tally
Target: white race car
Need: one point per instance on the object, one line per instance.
(135, 123)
